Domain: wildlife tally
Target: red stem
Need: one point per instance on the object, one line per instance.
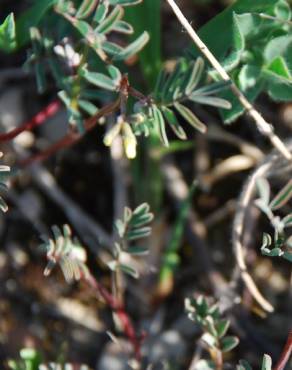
(286, 354)
(37, 120)
(119, 309)
(72, 137)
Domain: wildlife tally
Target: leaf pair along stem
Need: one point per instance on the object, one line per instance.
(74, 136)
(263, 126)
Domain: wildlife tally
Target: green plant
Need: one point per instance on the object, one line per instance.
(30, 359)
(86, 47)
(70, 255)
(214, 329)
(247, 49)
(281, 243)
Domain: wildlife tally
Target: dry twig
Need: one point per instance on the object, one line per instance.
(263, 126)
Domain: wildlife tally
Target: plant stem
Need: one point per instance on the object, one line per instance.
(37, 120)
(72, 137)
(286, 354)
(121, 313)
(263, 126)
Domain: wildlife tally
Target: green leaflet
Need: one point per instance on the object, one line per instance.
(8, 34)
(189, 116)
(220, 44)
(133, 48)
(86, 8)
(160, 124)
(100, 80)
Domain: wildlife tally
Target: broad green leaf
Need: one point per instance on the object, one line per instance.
(248, 77)
(279, 68)
(8, 34)
(282, 197)
(228, 343)
(267, 363)
(188, 115)
(238, 45)
(276, 47)
(230, 116)
(280, 91)
(100, 80)
(86, 8)
(31, 18)
(173, 123)
(223, 41)
(133, 48)
(283, 10)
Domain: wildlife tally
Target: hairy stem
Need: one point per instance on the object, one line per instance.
(121, 313)
(286, 354)
(37, 120)
(263, 126)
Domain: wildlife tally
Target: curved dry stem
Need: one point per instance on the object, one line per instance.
(270, 166)
(237, 234)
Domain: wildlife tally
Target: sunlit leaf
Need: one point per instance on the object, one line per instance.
(173, 123)
(86, 8)
(188, 115)
(228, 343)
(133, 48)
